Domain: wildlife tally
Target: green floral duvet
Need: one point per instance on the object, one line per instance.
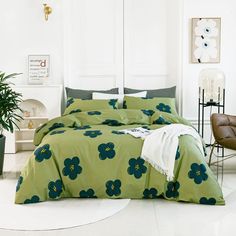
(84, 155)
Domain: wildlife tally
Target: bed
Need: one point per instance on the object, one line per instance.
(84, 154)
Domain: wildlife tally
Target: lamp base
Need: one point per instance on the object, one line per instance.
(212, 103)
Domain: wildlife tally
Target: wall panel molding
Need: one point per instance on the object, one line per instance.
(132, 43)
(93, 43)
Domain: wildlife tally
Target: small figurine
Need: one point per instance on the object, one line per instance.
(30, 124)
(26, 114)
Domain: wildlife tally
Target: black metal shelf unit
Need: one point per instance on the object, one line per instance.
(220, 105)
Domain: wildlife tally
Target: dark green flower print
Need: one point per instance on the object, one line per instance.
(41, 127)
(113, 103)
(92, 113)
(111, 122)
(172, 189)
(82, 127)
(19, 182)
(92, 133)
(34, 199)
(42, 153)
(148, 112)
(106, 150)
(177, 155)
(87, 194)
(150, 193)
(205, 201)
(113, 187)
(117, 132)
(146, 127)
(137, 167)
(72, 125)
(125, 105)
(75, 111)
(161, 121)
(198, 173)
(55, 189)
(69, 102)
(72, 168)
(57, 132)
(163, 107)
(55, 126)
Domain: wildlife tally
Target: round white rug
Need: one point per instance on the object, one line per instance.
(61, 214)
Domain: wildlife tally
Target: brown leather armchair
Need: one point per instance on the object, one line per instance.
(224, 132)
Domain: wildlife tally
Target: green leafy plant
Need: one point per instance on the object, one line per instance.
(9, 104)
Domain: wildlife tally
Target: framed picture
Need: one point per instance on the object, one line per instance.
(39, 68)
(206, 34)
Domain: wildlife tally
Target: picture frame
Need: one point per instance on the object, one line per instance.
(38, 68)
(206, 40)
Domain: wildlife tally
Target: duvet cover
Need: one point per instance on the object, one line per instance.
(85, 155)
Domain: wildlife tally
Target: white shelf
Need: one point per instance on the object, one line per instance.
(29, 86)
(41, 109)
(24, 130)
(24, 141)
(35, 118)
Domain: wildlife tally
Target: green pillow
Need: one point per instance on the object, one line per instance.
(150, 105)
(74, 105)
(87, 94)
(164, 92)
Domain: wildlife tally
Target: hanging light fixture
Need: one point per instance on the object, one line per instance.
(211, 86)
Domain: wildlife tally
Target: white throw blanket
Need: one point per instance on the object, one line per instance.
(137, 132)
(160, 147)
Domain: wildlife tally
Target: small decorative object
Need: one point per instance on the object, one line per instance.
(47, 11)
(206, 34)
(39, 68)
(9, 108)
(30, 124)
(26, 114)
(211, 85)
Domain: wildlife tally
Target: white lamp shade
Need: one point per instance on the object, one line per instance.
(212, 81)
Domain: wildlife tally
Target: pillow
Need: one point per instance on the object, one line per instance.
(120, 97)
(166, 92)
(150, 105)
(86, 94)
(77, 105)
(96, 96)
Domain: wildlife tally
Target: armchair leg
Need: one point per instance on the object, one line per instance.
(209, 163)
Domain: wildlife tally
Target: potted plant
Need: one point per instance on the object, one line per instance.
(9, 109)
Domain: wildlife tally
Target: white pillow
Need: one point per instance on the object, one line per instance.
(120, 97)
(142, 94)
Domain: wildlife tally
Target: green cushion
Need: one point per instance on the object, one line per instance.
(149, 105)
(87, 94)
(77, 105)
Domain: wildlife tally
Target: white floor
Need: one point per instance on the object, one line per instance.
(150, 217)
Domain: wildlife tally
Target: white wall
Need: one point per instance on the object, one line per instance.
(112, 43)
(174, 47)
(93, 43)
(85, 34)
(145, 43)
(24, 31)
(209, 8)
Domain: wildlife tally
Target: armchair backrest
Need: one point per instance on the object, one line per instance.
(224, 130)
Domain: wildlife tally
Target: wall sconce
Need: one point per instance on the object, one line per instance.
(47, 11)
